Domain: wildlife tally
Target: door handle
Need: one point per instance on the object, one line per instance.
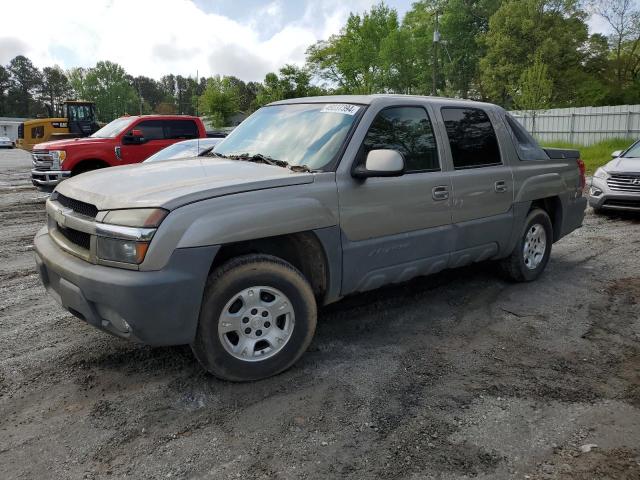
(500, 186)
(440, 192)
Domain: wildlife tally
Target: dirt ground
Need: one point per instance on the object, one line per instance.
(459, 375)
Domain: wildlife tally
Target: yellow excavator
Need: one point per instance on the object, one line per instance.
(78, 120)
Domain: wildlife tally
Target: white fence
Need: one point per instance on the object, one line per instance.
(583, 125)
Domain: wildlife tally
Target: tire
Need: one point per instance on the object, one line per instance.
(523, 267)
(241, 291)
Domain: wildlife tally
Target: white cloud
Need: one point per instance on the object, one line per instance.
(156, 37)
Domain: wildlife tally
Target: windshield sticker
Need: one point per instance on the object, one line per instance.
(343, 108)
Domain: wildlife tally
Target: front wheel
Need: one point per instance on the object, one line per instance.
(257, 318)
(531, 254)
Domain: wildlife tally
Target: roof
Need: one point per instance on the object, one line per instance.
(377, 98)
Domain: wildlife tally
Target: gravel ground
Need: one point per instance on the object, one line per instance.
(459, 375)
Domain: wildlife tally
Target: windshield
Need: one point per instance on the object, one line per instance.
(633, 152)
(299, 134)
(186, 149)
(112, 129)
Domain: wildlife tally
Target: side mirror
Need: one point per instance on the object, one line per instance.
(136, 137)
(381, 163)
(616, 154)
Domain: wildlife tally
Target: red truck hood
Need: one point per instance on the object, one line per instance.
(175, 183)
(62, 144)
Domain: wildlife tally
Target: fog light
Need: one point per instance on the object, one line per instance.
(595, 192)
(126, 251)
(111, 316)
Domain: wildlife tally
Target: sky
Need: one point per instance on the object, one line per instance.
(245, 38)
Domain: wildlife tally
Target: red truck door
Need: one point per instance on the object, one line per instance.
(157, 134)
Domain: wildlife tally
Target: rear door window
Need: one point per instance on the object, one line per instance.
(181, 129)
(407, 130)
(471, 136)
(526, 145)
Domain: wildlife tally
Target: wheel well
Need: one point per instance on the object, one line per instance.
(553, 207)
(302, 250)
(87, 165)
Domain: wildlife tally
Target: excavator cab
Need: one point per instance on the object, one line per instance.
(81, 117)
(78, 120)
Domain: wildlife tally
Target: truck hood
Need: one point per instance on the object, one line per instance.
(62, 144)
(623, 165)
(172, 184)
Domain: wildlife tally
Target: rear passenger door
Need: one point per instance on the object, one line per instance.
(396, 228)
(482, 185)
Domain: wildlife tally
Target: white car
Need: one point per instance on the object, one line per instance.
(195, 147)
(6, 142)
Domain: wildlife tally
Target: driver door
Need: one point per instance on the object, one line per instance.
(155, 140)
(396, 228)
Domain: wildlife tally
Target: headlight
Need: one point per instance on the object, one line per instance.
(136, 217)
(124, 235)
(58, 156)
(117, 250)
(601, 173)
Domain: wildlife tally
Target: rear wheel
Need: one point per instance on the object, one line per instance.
(258, 316)
(531, 254)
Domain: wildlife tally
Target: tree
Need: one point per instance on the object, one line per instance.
(5, 83)
(25, 80)
(623, 16)
(352, 59)
(149, 91)
(55, 89)
(109, 86)
(522, 29)
(291, 82)
(220, 101)
(533, 90)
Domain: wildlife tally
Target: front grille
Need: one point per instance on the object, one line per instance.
(42, 160)
(76, 237)
(624, 182)
(77, 206)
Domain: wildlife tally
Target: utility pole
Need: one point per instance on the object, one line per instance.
(436, 40)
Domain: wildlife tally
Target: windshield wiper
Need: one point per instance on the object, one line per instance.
(261, 158)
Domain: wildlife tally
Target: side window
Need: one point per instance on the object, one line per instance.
(181, 129)
(151, 129)
(471, 137)
(407, 130)
(526, 146)
(37, 132)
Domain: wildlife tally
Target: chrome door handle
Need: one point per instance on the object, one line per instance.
(440, 192)
(500, 186)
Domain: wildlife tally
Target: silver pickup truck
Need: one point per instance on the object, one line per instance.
(307, 201)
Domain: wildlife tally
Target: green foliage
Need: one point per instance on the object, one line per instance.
(533, 91)
(55, 89)
(520, 31)
(24, 84)
(353, 60)
(220, 100)
(595, 155)
(110, 87)
(292, 82)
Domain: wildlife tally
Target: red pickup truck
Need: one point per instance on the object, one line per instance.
(130, 139)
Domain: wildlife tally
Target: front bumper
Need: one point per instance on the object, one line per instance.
(610, 199)
(153, 307)
(48, 178)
